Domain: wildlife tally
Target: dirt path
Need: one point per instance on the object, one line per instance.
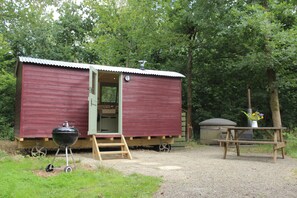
(201, 172)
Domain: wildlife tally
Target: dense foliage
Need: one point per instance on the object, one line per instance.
(7, 91)
(222, 46)
(7, 95)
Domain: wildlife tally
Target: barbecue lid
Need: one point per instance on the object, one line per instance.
(65, 136)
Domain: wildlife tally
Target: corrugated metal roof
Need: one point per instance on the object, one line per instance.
(99, 67)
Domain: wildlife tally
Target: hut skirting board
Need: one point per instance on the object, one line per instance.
(86, 143)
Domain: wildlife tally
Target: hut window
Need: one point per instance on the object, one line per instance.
(109, 93)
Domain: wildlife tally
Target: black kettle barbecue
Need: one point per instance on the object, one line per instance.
(64, 137)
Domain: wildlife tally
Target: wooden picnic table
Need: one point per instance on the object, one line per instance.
(277, 141)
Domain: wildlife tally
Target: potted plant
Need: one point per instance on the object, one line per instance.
(254, 117)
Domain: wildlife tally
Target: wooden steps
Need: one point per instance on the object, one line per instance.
(113, 152)
(122, 148)
(110, 144)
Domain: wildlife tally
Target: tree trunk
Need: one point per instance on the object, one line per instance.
(189, 92)
(274, 101)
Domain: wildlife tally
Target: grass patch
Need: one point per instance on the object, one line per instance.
(19, 179)
(290, 149)
(291, 145)
(194, 144)
(261, 148)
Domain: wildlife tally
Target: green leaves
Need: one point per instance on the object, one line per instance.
(127, 33)
(7, 104)
(6, 57)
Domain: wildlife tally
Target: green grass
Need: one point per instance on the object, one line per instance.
(256, 148)
(194, 144)
(18, 179)
(291, 145)
(289, 149)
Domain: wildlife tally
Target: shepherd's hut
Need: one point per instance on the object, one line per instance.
(141, 106)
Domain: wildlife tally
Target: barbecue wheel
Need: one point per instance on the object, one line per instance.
(68, 169)
(165, 147)
(49, 168)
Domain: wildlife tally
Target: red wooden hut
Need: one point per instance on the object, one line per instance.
(142, 105)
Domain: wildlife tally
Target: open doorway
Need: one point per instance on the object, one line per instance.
(108, 103)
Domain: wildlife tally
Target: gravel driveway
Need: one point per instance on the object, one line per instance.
(201, 172)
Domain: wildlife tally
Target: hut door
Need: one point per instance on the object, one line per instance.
(93, 103)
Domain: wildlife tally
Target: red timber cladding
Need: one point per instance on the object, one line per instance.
(50, 96)
(152, 106)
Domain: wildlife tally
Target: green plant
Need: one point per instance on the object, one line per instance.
(6, 132)
(291, 145)
(254, 116)
(7, 105)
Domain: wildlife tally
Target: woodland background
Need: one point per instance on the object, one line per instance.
(221, 46)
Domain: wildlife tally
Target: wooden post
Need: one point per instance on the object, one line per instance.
(249, 98)
(249, 110)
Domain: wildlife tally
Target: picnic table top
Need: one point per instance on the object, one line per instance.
(256, 128)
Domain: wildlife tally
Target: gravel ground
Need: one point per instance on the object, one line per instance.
(201, 172)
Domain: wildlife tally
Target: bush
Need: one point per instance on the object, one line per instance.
(6, 132)
(7, 104)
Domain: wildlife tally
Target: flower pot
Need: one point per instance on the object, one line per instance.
(254, 124)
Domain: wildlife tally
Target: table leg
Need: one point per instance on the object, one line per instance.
(236, 136)
(283, 153)
(281, 139)
(275, 146)
(274, 154)
(226, 144)
(225, 150)
(237, 149)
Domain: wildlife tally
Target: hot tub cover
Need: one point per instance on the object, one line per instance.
(217, 122)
